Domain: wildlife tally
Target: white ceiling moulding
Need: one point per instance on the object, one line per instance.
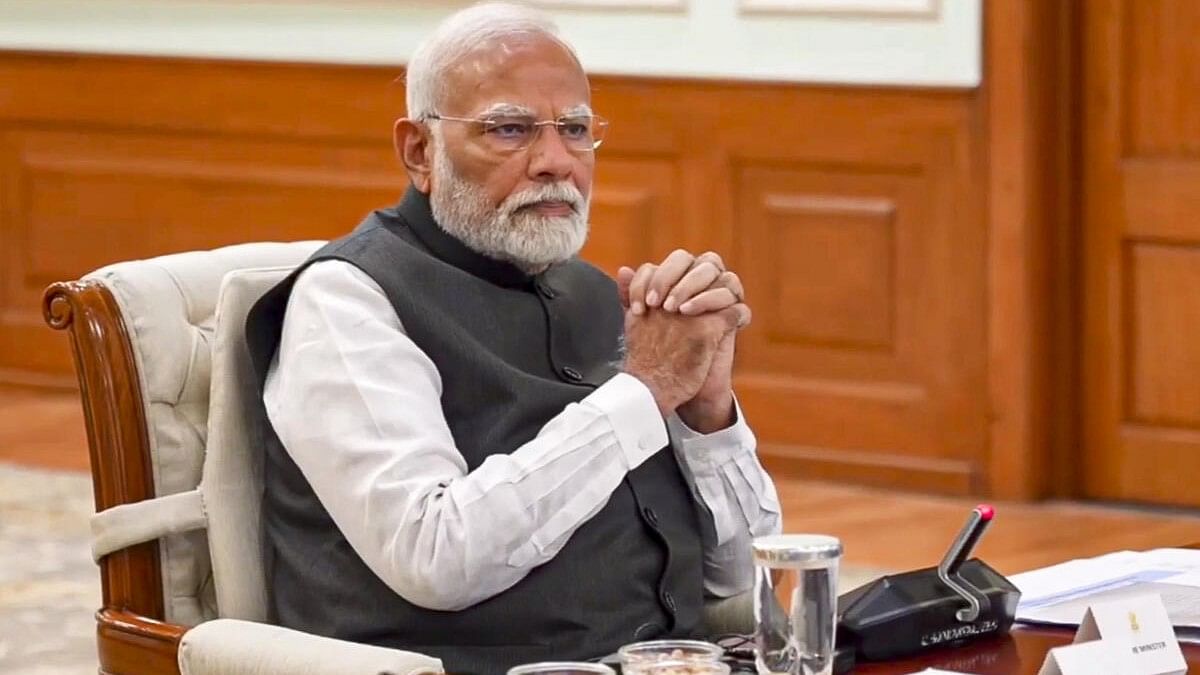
(652, 5)
(899, 9)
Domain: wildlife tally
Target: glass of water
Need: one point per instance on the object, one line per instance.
(795, 603)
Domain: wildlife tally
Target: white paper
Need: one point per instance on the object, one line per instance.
(1060, 594)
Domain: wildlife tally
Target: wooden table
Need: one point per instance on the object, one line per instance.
(1020, 653)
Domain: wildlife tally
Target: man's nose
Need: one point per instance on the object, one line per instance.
(549, 158)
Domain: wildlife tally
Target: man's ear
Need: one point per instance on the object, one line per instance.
(414, 148)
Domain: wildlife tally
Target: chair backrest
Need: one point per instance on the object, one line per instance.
(233, 464)
(169, 307)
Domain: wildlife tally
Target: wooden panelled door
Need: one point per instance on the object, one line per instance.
(1141, 236)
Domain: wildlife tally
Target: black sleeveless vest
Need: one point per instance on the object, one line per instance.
(512, 351)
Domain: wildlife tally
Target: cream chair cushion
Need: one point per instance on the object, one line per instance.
(232, 647)
(232, 484)
(168, 304)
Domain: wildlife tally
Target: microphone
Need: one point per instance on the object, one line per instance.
(960, 600)
(960, 549)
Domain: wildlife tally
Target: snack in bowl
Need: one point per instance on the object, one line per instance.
(637, 657)
(676, 667)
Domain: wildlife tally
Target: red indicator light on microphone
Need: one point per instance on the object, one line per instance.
(986, 511)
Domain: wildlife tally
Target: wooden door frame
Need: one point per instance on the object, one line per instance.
(1029, 115)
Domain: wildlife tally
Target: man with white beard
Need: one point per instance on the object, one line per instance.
(481, 447)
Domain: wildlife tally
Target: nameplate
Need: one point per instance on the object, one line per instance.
(1139, 626)
(1098, 657)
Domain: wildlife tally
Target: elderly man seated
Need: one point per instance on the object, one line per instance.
(483, 448)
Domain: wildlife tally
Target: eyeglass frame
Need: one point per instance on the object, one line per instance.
(556, 123)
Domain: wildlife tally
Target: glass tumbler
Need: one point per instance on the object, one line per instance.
(795, 603)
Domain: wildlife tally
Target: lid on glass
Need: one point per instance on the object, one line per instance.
(796, 548)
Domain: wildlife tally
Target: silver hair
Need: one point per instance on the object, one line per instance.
(457, 36)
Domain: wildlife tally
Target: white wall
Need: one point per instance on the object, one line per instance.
(891, 42)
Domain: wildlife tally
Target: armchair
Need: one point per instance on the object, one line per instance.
(168, 400)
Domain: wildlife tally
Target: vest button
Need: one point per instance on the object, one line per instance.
(669, 601)
(651, 516)
(572, 374)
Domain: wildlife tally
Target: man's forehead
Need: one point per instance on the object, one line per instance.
(534, 71)
(514, 109)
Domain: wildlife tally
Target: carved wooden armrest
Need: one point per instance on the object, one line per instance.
(130, 633)
(130, 644)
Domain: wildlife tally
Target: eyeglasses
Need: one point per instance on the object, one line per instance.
(504, 134)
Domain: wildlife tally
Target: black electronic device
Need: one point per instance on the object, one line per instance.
(905, 614)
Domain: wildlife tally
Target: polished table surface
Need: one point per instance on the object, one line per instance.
(1020, 653)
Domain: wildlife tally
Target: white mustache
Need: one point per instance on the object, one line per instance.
(562, 191)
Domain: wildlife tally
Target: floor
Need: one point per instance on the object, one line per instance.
(904, 531)
(42, 429)
(49, 589)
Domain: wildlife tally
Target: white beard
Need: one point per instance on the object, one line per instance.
(526, 239)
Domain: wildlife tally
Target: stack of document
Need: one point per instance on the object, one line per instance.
(1060, 595)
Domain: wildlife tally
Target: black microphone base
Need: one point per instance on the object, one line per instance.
(907, 614)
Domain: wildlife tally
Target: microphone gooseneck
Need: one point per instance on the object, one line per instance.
(948, 570)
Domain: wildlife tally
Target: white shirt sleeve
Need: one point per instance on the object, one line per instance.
(356, 405)
(738, 492)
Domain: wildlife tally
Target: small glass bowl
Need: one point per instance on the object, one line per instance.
(639, 654)
(673, 667)
(561, 668)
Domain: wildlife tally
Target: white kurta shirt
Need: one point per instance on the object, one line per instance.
(356, 404)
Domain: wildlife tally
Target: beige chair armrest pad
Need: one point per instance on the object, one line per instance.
(233, 647)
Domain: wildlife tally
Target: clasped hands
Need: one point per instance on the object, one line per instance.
(681, 322)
